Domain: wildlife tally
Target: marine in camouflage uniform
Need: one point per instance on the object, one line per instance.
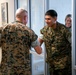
(15, 42)
(58, 49)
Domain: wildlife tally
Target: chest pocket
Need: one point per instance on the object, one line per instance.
(59, 38)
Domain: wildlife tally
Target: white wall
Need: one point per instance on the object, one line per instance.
(63, 7)
(10, 10)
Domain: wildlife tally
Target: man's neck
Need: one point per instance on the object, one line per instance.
(53, 26)
(19, 20)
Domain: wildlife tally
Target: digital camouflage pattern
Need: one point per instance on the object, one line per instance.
(16, 41)
(70, 29)
(58, 47)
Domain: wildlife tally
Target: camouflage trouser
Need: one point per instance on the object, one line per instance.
(15, 71)
(61, 72)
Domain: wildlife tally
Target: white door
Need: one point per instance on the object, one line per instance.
(37, 22)
(74, 37)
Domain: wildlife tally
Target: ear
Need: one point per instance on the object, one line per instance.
(55, 18)
(24, 17)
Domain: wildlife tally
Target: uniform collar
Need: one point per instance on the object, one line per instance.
(18, 22)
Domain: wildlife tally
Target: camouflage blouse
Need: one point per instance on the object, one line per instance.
(58, 46)
(15, 41)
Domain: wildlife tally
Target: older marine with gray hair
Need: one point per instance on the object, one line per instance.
(16, 41)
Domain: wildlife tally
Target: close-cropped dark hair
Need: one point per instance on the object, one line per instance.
(51, 13)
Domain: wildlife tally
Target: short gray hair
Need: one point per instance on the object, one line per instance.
(20, 11)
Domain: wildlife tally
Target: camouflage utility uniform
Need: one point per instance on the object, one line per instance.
(58, 48)
(16, 41)
(69, 29)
